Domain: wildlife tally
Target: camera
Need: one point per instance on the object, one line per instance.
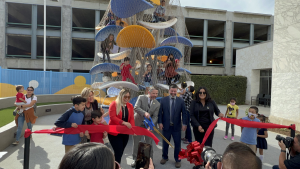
(288, 141)
(209, 155)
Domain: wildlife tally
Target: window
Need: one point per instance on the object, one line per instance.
(265, 82)
(53, 17)
(83, 49)
(241, 32)
(83, 20)
(195, 28)
(215, 31)
(18, 46)
(52, 47)
(19, 15)
(196, 56)
(215, 56)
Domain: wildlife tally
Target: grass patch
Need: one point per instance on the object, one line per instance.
(7, 113)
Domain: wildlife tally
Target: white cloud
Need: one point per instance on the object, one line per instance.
(253, 6)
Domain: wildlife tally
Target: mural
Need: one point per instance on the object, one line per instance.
(44, 82)
(76, 88)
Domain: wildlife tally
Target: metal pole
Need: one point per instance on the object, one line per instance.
(44, 35)
(26, 153)
(204, 56)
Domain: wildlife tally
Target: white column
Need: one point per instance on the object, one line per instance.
(66, 36)
(285, 101)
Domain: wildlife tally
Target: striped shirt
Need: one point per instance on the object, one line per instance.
(187, 97)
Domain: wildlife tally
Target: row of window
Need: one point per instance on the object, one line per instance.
(85, 18)
(20, 46)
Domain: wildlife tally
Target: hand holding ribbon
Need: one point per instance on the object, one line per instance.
(111, 129)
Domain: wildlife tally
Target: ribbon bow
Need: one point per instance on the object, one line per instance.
(194, 149)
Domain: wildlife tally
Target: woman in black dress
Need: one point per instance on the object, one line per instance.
(202, 111)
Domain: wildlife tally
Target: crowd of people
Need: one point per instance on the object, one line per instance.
(172, 114)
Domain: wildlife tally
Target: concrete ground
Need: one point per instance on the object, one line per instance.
(47, 151)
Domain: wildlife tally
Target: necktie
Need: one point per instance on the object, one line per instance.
(149, 103)
(173, 110)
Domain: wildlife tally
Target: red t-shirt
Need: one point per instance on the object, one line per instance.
(97, 137)
(126, 69)
(18, 96)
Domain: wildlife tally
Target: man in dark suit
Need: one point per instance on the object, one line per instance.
(169, 120)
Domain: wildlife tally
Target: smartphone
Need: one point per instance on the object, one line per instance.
(143, 156)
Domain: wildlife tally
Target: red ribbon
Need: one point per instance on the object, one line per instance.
(194, 149)
(111, 129)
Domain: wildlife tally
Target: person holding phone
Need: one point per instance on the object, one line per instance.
(145, 106)
(121, 113)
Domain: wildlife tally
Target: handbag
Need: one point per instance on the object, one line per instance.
(14, 113)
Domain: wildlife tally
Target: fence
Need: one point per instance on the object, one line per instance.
(47, 82)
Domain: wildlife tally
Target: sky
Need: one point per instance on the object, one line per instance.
(252, 6)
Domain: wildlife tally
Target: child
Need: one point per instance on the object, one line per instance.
(111, 20)
(106, 46)
(183, 89)
(261, 138)
(188, 97)
(249, 135)
(231, 112)
(72, 118)
(125, 70)
(122, 24)
(147, 75)
(97, 120)
(159, 13)
(20, 99)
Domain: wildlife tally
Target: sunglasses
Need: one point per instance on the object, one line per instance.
(202, 92)
(126, 97)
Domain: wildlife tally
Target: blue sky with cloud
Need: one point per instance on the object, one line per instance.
(253, 6)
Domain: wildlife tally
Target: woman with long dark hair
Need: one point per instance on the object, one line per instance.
(170, 66)
(202, 111)
(107, 45)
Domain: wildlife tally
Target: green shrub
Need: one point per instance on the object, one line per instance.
(222, 88)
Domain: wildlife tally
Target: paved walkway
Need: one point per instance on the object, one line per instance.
(47, 151)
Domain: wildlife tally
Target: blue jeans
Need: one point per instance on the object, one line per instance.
(275, 167)
(147, 84)
(21, 120)
(177, 140)
(188, 132)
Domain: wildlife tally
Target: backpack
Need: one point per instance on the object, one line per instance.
(34, 106)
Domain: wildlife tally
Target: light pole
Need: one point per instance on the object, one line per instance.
(44, 35)
(45, 32)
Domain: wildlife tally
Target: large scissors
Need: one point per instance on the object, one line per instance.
(149, 124)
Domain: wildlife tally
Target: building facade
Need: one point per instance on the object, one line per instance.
(71, 47)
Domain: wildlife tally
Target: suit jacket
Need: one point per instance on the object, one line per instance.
(117, 119)
(141, 106)
(164, 113)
